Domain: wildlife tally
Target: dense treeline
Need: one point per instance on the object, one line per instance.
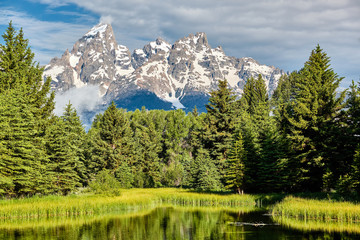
(303, 138)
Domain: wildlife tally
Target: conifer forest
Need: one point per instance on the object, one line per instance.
(305, 137)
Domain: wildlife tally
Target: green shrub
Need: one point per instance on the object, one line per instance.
(105, 183)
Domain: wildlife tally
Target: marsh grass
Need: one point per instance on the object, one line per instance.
(76, 221)
(316, 225)
(91, 204)
(320, 210)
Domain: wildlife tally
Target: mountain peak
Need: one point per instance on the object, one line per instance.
(181, 74)
(100, 28)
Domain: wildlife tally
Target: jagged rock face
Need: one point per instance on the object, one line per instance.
(182, 74)
(95, 59)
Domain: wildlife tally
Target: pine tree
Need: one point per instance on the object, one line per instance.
(219, 124)
(255, 97)
(63, 158)
(313, 110)
(110, 145)
(148, 146)
(76, 138)
(18, 69)
(27, 109)
(346, 166)
(65, 138)
(235, 166)
(175, 146)
(114, 129)
(204, 173)
(23, 158)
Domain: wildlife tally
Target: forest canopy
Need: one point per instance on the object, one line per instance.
(304, 137)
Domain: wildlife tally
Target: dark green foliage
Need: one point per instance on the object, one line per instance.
(305, 140)
(23, 159)
(63, 159)
(64, 148)
(19, 71)
(219, 125)
(204, 173)
(235, 166)
(255, 98)
(110, 145)
(313, 109)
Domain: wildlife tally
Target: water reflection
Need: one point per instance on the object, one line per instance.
(316, 225)
(162, 223)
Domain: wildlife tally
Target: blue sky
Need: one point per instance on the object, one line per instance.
(281, 33)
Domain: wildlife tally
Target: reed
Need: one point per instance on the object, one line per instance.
(90, 204)
(323, 210)
(316, 225)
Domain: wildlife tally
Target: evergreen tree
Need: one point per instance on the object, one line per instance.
(235, 166)
(175, 150)
(110, 145)
(313, 110)
(219, 124)
(65, 138)
(18, 70)
(346, 164)
(26, 110)
(204, 173)
(63, 159)
(148, 164)
(23, 158)
(255, 97)
(76, 137)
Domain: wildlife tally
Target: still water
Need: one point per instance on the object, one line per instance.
(168, 223)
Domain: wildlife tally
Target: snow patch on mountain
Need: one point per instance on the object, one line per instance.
(100, 28)
(53, 71)
(189, 67)
(74, 60)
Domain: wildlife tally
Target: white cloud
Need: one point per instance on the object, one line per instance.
(83, 99)
(278, 32)
(47, 39)
(106, 19)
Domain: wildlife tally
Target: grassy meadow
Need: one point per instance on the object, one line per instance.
(294, 212)
(92, 204)
(320, 210)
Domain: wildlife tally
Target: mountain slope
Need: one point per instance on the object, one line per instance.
(160, 75)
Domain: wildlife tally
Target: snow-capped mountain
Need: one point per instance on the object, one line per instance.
(160, 75)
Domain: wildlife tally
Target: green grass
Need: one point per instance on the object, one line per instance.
(316, 225)
(90, 205)
(321, 210)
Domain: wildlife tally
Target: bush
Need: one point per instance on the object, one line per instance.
(105, 183)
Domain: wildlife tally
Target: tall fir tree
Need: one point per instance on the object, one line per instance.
(76, 137)
(23, 157)
(18, 69)
(235, 166)
(264, 147)
(65, 138)
(219, 124)
(204, 173)
(347, 155)
(25, 120)
(63, 160)
(313, 110)
(110, 145)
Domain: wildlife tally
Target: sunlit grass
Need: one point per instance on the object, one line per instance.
(75, 221)
(322, 210)
(89, 205)
(318, 225)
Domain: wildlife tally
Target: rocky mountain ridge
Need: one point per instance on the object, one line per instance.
(161, 75)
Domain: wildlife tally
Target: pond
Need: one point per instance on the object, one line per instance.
(170, 223)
